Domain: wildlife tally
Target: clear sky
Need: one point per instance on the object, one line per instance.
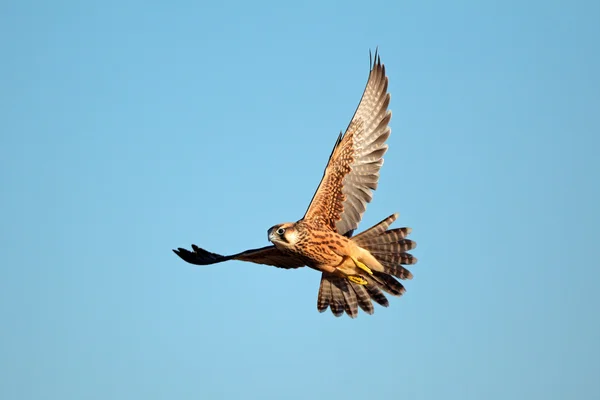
(128, 128)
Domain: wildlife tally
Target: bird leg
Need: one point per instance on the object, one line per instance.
(362, 266)
(359, 280)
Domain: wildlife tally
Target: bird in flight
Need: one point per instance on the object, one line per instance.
(355, 269)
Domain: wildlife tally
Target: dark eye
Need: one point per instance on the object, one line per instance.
(280, 231)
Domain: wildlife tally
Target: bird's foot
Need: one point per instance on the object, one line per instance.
(359, 280)
(362, 266)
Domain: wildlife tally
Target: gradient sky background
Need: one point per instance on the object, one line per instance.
(131, 128)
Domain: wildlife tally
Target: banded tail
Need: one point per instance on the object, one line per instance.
(390, 248)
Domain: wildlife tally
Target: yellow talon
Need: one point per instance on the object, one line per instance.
(357, 279)
(362, 266)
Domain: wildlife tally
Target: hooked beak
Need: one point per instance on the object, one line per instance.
(270, 233)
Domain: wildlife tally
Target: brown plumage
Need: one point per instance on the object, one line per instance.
(355, 270)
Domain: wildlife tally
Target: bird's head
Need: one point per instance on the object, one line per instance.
(283, 235)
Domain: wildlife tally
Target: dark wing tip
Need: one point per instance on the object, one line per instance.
(199, 256)
(374, 61)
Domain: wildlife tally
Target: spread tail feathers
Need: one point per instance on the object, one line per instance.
(390, 248)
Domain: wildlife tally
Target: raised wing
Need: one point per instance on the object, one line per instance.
(352, 172)
(268, 255)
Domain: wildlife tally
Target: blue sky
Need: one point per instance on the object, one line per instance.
(131, 128)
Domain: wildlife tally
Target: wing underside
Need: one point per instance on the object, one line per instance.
(352, 172)
(268, 255)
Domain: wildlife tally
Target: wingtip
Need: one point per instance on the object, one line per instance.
(375, 60)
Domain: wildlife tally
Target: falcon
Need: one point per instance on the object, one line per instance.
(355, 270)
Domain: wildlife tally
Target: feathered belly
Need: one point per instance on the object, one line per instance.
(322, 256)
(322, 249)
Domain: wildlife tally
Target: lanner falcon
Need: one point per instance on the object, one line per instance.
(355, 269)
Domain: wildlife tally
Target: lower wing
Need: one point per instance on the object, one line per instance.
(268, 255)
